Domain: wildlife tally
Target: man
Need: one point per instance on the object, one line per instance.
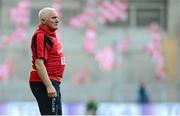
(143, 97)
(91, 107)
(48, 64)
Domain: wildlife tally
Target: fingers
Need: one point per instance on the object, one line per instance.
(52, 94)
(51, 91)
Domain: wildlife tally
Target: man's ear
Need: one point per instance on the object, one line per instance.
(43, 21)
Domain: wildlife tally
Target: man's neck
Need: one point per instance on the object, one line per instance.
(47, 30)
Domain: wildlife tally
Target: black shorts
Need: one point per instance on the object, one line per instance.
(47, 106)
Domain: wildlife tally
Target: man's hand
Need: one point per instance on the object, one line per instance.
(51, 91)
(41, 69)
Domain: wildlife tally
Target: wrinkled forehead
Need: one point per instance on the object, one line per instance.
(52, 13)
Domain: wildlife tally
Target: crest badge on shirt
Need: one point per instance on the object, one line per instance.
(59, 51)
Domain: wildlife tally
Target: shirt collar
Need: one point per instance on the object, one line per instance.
(46, 31)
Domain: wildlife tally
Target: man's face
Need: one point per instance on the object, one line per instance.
(52, 21)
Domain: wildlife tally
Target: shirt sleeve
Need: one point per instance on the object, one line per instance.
(41, 48)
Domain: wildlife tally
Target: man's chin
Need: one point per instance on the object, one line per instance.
(55, 29)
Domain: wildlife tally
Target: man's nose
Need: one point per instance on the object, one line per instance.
(57, 20)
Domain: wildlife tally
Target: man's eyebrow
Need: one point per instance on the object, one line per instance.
(55, 17)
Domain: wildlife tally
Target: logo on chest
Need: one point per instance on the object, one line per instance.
(59, 51)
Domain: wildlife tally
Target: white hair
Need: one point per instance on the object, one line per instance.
(43, 13)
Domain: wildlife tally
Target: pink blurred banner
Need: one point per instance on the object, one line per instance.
(105, 58)
(84, 18)
(105, 11)
(57, 5)
(81, 77)
(18, 36)
(153, 49)
(90, 40)
(123, 45)
(113, 11)
(19, 16)
(5, 71)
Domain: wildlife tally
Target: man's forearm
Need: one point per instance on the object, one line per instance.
(41, 69)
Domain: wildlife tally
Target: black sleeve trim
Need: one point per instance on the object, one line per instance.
(35, 45)
(48, 41)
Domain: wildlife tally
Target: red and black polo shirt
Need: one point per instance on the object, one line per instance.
(45, 45)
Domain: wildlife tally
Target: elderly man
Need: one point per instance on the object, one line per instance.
(48, 64)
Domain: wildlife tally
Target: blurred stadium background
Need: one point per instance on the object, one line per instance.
(110, 46)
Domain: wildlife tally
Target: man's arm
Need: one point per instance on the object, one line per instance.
(41, 69)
